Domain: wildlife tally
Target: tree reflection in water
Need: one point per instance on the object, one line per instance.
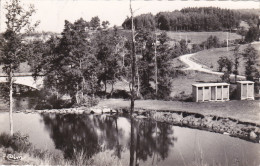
(96, 133)
(150, 139)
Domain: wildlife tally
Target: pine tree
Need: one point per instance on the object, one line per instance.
(250, 56)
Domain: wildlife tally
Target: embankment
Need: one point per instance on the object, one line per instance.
(225, 125)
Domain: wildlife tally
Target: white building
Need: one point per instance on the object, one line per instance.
(245, 90)
(210, 92)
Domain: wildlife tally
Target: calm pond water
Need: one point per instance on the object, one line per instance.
(143, 141)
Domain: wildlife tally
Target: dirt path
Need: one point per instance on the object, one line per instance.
(198, 67)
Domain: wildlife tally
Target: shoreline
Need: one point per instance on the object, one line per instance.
(233, 127)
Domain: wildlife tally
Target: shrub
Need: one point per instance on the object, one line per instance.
(52, 101)
(182, 97)
(212, 42)
(120, 94)
(18, 142)
(87, 101)
(196, 48)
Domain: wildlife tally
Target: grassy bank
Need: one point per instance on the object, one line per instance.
(182, 85)
(247, 111)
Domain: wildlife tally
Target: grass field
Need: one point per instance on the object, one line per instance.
(194, 37)
(199, 37)
(182, 85)
(210, 57)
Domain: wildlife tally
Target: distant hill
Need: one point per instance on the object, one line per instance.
(195, 19)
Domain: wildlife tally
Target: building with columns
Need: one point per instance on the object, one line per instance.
(210, 92)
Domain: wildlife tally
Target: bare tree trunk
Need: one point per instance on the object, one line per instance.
(0, 16)
(11, 102)
(137, 147)
(138, 82)
(112, 89)
(132, 143)
(77, 95)
(227, 41)
(105, 82)
(123, 61)
(133, 62)
(156, 69)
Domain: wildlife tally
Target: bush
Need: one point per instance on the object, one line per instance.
(196, 48)
(53, 102)
(120, 94)
(18, 142)
(49, 100)
(182, 97)
(87, 101)
(212, 42)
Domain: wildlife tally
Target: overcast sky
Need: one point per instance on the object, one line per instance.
(52, 13)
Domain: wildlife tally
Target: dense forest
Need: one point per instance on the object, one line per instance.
(194, 19)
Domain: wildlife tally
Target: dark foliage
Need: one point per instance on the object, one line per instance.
(143, 21)
(211, 42)
(252, 35)
(251, 65)
(194, 19)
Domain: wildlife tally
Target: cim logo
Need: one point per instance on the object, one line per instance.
(13, 157)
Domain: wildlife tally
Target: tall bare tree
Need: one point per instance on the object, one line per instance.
(133, 58)
(156, 67)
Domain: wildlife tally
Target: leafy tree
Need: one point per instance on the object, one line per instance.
(242, 31)
(212, 42)
(236, 62)
(105, 24)
(225, 65)
(252, 34)
(183, 47)
(163, 22)
(149, 68)
(95, 22)
(250, 56)
(73, 50)
(108, 55)
(12, 47)
(35, 50)
(68, 63)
